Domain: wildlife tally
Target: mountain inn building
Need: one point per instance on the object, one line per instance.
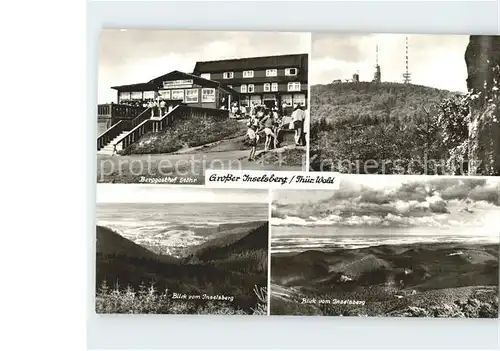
(212, 89)
(177, 87)
(173, 88)
(269, 80)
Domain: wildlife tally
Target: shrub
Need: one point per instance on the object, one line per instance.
(147, 300)
(187, 132)
(388, 121)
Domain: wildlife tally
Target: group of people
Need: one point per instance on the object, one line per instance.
(158, 107)
(270, 122)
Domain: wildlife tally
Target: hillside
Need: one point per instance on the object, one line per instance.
(186, 133)
(109, 243)
(387, 125)
(369, 103)
(237, 270)
(430, 279)
(231, 241)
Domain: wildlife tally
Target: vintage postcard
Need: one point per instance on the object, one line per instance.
(174, 103)
(405, 104)
(387, 246)
(181, 250)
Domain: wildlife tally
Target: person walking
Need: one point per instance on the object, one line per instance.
(298, 123)
(151, 105)
(268, 123)
(253, 139)
(278, 127)
(283, 108)
(162, 108)
(306, 125)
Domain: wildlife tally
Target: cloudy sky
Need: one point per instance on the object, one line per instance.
(136, 56)
(398, 202)
(153, 193)
(434, 60)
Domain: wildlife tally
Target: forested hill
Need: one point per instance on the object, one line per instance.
(398, 127)
(371, 103)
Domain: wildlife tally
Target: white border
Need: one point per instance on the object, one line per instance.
(309, 117)
(143, 332)
(269, 237)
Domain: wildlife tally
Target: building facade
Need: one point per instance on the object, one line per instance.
(269, 80)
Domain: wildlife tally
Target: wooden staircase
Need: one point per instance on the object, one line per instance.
(126, 132)
(109, 149)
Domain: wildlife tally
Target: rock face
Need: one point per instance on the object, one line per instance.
(482, 58)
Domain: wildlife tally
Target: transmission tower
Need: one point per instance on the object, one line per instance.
(377, 76)
(407, 74)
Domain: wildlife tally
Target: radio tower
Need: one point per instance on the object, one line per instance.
(407, 74)
(377, 76)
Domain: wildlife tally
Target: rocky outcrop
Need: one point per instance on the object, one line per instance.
(482, 58)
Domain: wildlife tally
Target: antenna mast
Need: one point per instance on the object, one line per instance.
(377, 76)
(407, 74)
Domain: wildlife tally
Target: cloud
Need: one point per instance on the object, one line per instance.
(343, 47)
(435, 202)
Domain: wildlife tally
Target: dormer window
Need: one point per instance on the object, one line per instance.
(247, 74)
(291, 72)
(205, 75)
(228, 75)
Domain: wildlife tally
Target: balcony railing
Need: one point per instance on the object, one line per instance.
(120, 111)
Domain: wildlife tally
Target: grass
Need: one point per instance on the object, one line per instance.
(148, 300)
(295, 157)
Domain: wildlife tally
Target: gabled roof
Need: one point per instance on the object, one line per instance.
(157, 82)
(264, 62)
(134, 87)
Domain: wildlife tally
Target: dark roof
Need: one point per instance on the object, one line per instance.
(134, 87)
(264, 62)
(157, 82)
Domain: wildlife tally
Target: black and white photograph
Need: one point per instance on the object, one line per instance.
(174, 103)
(387, 246)
(405, 104)
(181, 250)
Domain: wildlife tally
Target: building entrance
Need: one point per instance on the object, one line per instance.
(269, 100)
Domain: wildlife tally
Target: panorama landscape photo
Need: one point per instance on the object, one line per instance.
(387, 246)
(405, 104)
(165, 250)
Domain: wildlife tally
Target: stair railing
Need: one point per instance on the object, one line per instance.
(112, 132)
(157, 125)
(149, 125)
(122, 125)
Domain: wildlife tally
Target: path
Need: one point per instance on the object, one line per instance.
(131, 169)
